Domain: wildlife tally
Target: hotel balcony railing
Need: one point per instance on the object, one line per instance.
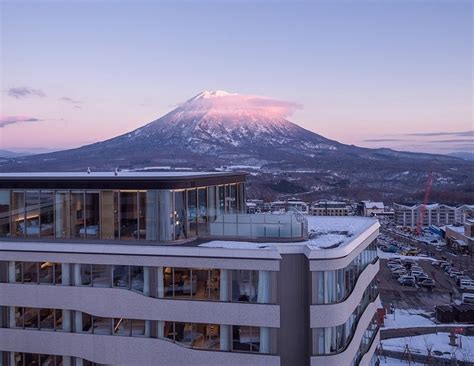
(290, 225)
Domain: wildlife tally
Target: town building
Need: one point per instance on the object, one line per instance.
(461, 237)
(369, 208)
(330, 208)
(167, 268)
(406, 215)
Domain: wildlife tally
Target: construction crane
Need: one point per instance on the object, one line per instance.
(421, 214)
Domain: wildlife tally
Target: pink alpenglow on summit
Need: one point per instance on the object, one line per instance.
(223, 104)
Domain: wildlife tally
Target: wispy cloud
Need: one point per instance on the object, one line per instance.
(24, 92)
(70, 100)
(433, 134)
(10, 120)
(449, 141)
(383, 140)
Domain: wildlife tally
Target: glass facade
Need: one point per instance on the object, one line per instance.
(335, 286)
(204, 284)
(335, 339)
(230, 338)
(366, 343)
(159, 215)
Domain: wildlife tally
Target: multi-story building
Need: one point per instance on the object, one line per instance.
(370, 208)
(461, 237)
(330, 208)
(407, 215)
(167, 268)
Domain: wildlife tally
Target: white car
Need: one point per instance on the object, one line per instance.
(466, 284)
(468, 298)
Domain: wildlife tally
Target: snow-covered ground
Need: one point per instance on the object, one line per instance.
(439, 342)
(406, 318)
(410, 318)
(395, 362)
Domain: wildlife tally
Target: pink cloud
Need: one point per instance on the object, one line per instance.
(219, 103)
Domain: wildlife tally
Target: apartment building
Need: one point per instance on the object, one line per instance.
(167, 268)
(330, 208)
(407, 215)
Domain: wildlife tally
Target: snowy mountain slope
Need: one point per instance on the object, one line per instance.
(218, 128)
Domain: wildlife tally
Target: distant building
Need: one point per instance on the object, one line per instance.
(330, 208)
(461, 237)
(434, 214)
(254, 206)
(301, 206)
(369, 208)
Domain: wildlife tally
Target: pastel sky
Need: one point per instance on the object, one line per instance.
(383, 73)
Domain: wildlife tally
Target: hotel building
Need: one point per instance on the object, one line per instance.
(168, 269)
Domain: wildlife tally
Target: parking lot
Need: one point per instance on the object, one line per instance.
(408, 297)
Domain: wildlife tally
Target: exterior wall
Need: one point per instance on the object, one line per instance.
(123, 350)
(294, 300)
(117, 303)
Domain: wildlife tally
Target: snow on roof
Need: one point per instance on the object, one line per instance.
(458, 229)
(332, 232)
(378, 205)
(327, 233)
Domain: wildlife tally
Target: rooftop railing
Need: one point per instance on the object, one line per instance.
(290, 225)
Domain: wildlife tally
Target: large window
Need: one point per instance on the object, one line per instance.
(161, 215)
(180, 215)
(47, 214)
(192, 212)
(92, 220)
(335, 339)
(335, 286)
(77, 215)
(128, 215)
(4, 213)
(202, 212)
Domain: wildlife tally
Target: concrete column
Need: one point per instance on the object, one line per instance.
(12, 358)
(225, 337)
(263, 295)
(160, 283)
(264, 340)
(77, 314)
(11, 272)
(146, 281)
(67, 361)
(78, 361)
(224, 285)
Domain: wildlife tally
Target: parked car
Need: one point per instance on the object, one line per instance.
(421, 278)
(445, 264)
(466, 284)
(405, 277)
(407, 282)
(428, 283)
(458, 280)
(468, 298)
(416, 274)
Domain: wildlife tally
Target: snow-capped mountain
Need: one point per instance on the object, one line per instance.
(217, 128)
(220, 122)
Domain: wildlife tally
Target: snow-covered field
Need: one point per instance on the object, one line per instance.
(439, 342)
(407, 318)
(395, 362)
